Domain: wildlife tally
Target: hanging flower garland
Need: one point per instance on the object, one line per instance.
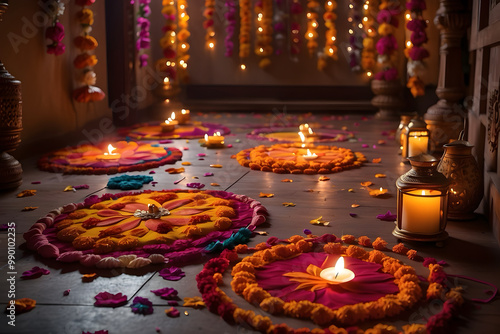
(208, 24)
(355, 31)
(279, 27)
(330, 50)
(414, 51)
(143, 36)
(295, 37)
(55, 33)
(182, 38)
(368, 54)
(312, 26)
(168, 43)
(86, 61)
(245, 26)
(387, 45)
(230, 16)
(264, 31)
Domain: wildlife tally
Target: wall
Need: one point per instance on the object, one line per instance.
(48, 80)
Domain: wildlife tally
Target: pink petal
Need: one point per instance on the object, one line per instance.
(132, 207)
(188, 212)
(176, 203)
(35, 272)
(110, 221)
(108, 213)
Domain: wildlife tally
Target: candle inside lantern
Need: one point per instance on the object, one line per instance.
(421, 211)
(214, 141)
(309, 155)
(183, 117)
(337, 274)
(417, 144)
(109, 155)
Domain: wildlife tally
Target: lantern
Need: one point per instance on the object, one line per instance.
(415, 139)
(422, 201)
(405, 120)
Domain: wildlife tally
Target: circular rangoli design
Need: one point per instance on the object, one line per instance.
(300, 159)
(154, 131)
(290, 135)
(386, 287)
(149, 226)
(114, 158)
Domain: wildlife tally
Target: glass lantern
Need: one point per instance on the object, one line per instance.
(422, 201)
(415, 139)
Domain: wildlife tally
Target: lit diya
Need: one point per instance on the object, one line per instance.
(214, 141)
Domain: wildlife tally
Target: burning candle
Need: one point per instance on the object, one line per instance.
(183, 117)
(214, 141)
(337, 274)
(168, 125)
(417, 145)
(306, 130)
(421, 211)
(378, 192)
(109, 155)
(309, 156)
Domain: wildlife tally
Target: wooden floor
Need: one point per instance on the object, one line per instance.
(470, 250)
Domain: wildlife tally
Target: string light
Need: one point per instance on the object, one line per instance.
(264, 36)
(208, 24)
(182, 36)
(368, 62)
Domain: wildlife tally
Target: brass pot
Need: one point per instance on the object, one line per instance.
(466, 184)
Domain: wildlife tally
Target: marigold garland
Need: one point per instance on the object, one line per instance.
(182, 37)
(85, 61)
(311, 34)
(208, 24)
(143, 35)
(264, 31)
(168, 43)
(414, 50)
(245, 26)
(330, 49)
(368, 55)
(230, 16)
(244, 284)
(387, 45)
(295, 36)
(55, 33)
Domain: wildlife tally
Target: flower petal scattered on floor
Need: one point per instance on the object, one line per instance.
(106, 299)
(195, 185)
(69, 188)
(366, 184)
(323, 178)
(350, 190)
(29, 208)
(175, 170)
(35, 272)
(89, 277)
(202, 154)
(376, 160)
(27, 192)
(24, 305)
(354, 205)
(186, 163)
(36, 182)
(194, 302)
(216, 166)
(179, 180)
(142, 305)
(166, 293)
(172, 312)
(172, 273)
(208, 174)
(81, 186)
(152, 172)
(213, 184)
(66, 292)
(319, 221)
(353, 214)
(266, 195)
(286, 180)
(288, 204)
(102, 331)
(380, 176)
(388, 216)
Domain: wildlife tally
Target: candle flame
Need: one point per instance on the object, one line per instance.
(339, 266)
(302, 137)
(184, 111)
(310, 131)
(111, 149)
(206, 137)
(381, 189)
(173, 115)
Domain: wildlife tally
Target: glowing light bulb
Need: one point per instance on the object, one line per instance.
(243, 66)
(368, 74)
(351, 31)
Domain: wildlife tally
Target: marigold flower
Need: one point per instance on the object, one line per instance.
(322, 315)
(333, 248)
(415, 329)
(364, 241)
(272, 305)
(348, 239)
(379, 244)
(85, 16)
(357, 252)
(241, 249)
(85, 43)
(400, 249)
(435, 291)
(255, 294)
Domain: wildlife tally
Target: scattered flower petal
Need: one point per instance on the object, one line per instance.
(266, 195)
(288, 204)
(307, 231)
(195, 185)
(172, 273)
(202, 154)
(26, 193)
(166, 293)
(213, 184)
(194, 302)
(36, 182)
(35, 272)
(381, 142)
(69, 188)
(216, 166)
(230, 145)
(81, 186)
(309, 190)
(180, 180)
(172, 312)
(29, 208)
(66, 292)
(388, 216)
(175, 170)
(353, 214)
(286, 180)
(152, 172)
(186, 163)
(185, 148)
(365, 146)
(24, 305)
(366, 184)
(350, 190)
(376, 160)
(142, 305)
(380, 176)
(354, 205)
(319, 221)
(208, 174)
(106, 299)
(89, 277)
(323, 178)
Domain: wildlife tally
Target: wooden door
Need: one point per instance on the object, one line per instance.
(484, 111)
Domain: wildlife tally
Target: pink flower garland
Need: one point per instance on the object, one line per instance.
(387, 45)
(143, 40)
(55, 32)
(230, 16)
(295, 41)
